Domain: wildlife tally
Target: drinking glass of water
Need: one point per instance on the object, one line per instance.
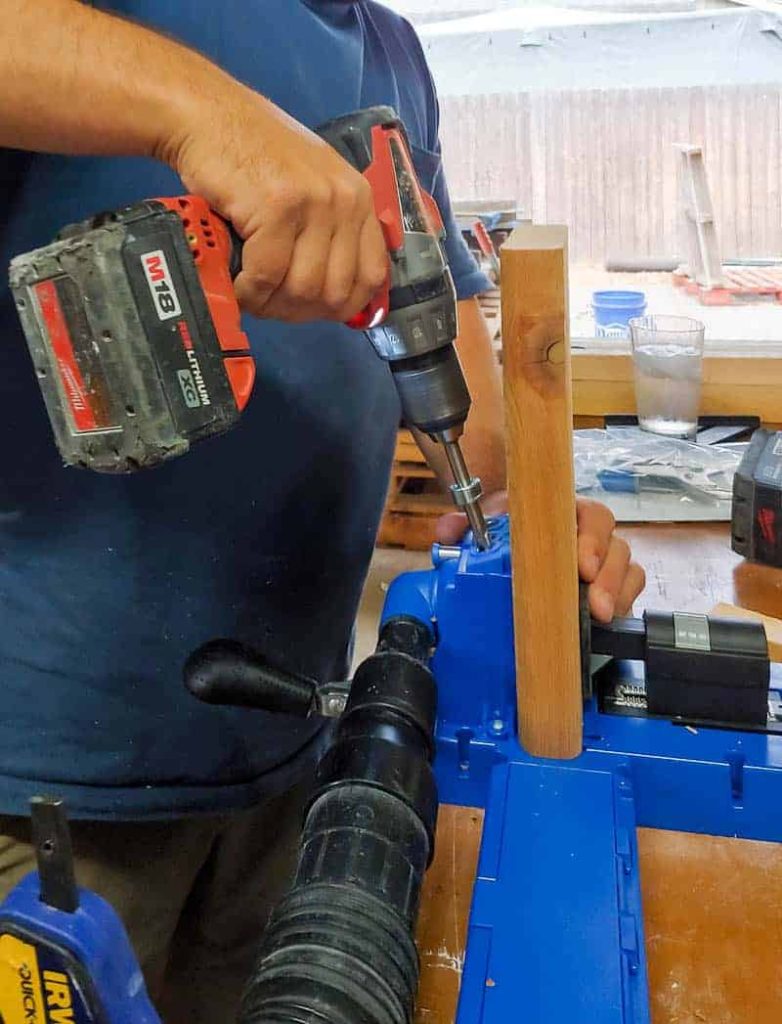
(668, 364)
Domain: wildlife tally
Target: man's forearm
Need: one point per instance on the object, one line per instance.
(483, 442)
(77, 80)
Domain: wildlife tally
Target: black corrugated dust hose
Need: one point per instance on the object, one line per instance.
(340, 947)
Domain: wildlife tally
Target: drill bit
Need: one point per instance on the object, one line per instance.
(466, 493)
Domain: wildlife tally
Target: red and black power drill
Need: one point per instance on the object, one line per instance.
(135, 332)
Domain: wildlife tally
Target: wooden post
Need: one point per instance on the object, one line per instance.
(541, 490)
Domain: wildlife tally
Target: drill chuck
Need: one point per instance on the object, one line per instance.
(435, 399)
(433, 392)
(416, 339)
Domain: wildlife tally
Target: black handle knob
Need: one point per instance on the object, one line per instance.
(230, 672)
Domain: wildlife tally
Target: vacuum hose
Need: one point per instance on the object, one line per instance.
(339, 948)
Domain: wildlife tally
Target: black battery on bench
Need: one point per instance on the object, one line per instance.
(756, 523)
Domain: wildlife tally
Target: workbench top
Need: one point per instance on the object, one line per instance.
(712, 906)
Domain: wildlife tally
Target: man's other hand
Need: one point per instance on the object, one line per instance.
(604, 560)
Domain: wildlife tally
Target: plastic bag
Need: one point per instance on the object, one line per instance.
(628, 460)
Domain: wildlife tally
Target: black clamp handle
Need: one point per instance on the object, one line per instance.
(232, 673)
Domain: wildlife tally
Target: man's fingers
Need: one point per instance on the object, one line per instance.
(607, 586)
(339, 282)
(451, 528)
(266, 257)
(300, 295)
(339, 261)
(595, 528)
(373, 256)
(370, 274)
(316, 253)
(634, 583)
(495, 504)
(318, 275)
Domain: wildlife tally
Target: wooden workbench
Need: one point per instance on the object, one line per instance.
(712, 906)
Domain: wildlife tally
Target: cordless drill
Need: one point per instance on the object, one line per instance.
(135, 332)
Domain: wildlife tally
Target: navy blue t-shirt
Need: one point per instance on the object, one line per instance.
(107, 583)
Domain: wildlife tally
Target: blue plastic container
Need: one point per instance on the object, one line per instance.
(614, 310)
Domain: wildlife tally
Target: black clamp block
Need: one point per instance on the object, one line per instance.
(706, 668)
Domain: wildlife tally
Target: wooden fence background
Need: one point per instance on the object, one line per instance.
(604, 162)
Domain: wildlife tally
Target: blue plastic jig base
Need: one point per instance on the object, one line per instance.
(556, 928)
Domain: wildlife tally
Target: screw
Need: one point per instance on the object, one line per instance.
(335, 706)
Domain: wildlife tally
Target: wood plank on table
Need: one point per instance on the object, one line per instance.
(445, 911)
(688, 567)
(713, 923)
(745, 383)
(691, 567)
(772, 626)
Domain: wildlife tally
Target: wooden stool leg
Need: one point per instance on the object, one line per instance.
(541, 488)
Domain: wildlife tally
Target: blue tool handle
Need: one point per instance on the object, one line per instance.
(619, 481)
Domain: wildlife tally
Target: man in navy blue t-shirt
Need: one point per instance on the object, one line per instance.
(189, 813)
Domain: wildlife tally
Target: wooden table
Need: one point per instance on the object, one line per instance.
(712, 906)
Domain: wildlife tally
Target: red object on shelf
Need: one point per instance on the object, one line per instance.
(739, 285)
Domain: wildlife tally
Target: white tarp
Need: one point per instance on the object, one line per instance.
(435, 10)
(531, 48)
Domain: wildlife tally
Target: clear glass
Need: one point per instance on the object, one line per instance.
(668, 364)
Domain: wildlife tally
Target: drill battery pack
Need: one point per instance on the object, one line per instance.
(756, 526)
(135, 333)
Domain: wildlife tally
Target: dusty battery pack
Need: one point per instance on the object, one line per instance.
(135, 333)
(756, 525)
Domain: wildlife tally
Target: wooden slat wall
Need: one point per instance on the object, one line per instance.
(603, 162)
